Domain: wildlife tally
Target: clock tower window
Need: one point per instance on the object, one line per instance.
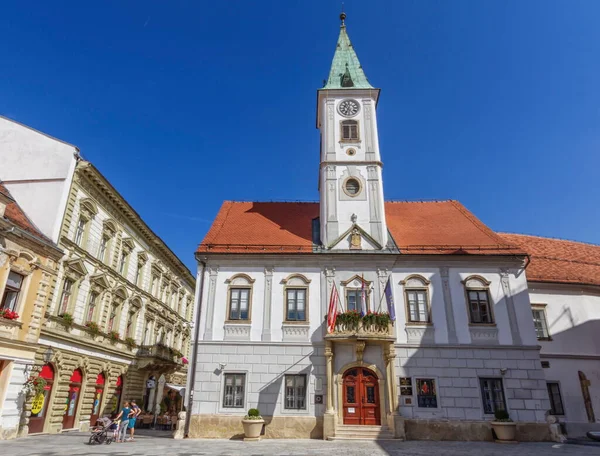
(350, 130)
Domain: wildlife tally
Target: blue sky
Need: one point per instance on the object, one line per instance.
(185, 104)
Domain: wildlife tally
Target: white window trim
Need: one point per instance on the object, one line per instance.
(242, 411)
(310, 405)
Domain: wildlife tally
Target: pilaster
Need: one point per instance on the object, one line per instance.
(213, 272)
(450, 321)
(266, 331)
(510, 307)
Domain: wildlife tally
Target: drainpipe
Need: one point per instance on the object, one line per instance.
(192, 379)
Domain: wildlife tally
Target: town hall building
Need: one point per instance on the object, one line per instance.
(434, 328)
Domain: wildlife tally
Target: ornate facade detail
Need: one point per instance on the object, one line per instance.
(237, 331)
(483, 334)
(296, 333)
(419, 334)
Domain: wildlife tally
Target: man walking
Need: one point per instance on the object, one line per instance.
(135, 413)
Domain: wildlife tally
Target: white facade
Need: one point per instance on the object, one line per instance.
(38, 170)
(572, 314)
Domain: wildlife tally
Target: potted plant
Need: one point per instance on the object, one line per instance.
(93, 328)
(504, 428)
(8, 314)
(253, 424)
(114, 336)
(67, 320)
(130, 342)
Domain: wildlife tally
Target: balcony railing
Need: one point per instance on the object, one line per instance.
(360, 330)
(159, 352)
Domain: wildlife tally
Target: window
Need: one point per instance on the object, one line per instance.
(556, 405)
(102, 248)
(233, 395)
(353, 297)
(418, 311)
(91, 306)
(146, 339)
(79, 231)
(492, 395)
(138, 273)
(154, 289)
(65, 297)
(11, 291)
(130, 324)
(239, 304)
(426, 393)
(111, 318)
(296, 304)
(349, 130)
(352, 186)
(295, 392)
(539, 322)
(123, 261)
(479, 306)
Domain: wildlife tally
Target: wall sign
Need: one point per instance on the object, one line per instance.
(426, 393)
(406, 386)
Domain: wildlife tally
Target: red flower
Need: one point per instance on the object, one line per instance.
(9, 314)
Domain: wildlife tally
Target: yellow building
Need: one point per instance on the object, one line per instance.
(117, 325)
(28, 262)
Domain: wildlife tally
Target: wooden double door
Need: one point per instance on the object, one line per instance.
(361, 397)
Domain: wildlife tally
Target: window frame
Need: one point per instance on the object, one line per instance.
(65, 292)
(89, 307)
(494, 400)
(242, 406)
(541, 308)
(350, 123)
(407, 309)
(358, 291)
(80, 231)
(295, 397)
(10, 289)
(551, 398)
(484, 286)
(296, 289)
(239, 288)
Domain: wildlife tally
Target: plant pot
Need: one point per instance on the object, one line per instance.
(252, 429)
(506, 431)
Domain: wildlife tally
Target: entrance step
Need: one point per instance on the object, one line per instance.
(357, 432)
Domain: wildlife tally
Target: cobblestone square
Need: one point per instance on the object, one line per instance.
(76, 444)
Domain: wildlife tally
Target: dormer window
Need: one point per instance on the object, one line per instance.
(350, 130)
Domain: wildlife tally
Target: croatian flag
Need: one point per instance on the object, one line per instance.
(363, 299)
(332, 312)
(390, 300)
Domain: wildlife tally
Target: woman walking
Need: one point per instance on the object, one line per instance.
(126, 411)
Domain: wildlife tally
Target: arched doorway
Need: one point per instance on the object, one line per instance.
(98, 395)
(360, 392)
(72, 399)
(116, 401)
(39, 404)
(587, 398)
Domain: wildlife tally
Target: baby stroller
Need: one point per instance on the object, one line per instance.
(103, 432)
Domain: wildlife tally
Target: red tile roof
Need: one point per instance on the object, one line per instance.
(15, 214)
(559, 261)
(441, 227)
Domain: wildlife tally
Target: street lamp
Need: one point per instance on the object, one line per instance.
(48, 355)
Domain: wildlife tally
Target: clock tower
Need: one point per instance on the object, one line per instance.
(352, 213)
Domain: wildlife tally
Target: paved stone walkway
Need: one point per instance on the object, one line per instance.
(161, 445)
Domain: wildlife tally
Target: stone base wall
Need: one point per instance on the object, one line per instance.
(471, 431)
(276, 427)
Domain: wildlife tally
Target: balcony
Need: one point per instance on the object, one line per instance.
(157, 356)
(9, 329)
(362, 328)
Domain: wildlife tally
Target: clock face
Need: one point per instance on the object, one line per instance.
(348, 108)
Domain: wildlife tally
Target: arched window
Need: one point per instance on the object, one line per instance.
(296, 297)
(416, 293)
(349, 130)
(478, 300)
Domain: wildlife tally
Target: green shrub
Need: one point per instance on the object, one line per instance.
(253, 412)
(502, 415)
(67, 319)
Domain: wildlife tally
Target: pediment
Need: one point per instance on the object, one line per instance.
(355, 238)
(77, 266)
(356, 281)
(100, 279)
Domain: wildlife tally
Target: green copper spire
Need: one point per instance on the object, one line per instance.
(346, 72)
